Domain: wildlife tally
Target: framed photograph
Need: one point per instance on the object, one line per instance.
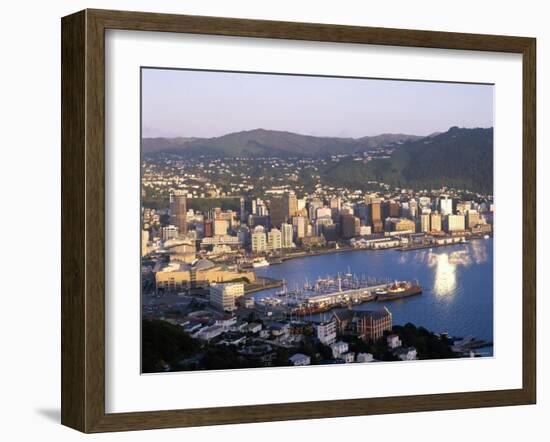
(266, 221)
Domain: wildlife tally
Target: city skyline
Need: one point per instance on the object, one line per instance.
(205, 104)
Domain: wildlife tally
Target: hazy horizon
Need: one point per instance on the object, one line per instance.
(206, 104)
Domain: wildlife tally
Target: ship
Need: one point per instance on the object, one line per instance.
(398, 290)
(258, 263)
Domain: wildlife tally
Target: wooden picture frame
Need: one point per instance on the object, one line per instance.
(83, 220)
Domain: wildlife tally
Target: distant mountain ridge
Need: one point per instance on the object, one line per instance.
(460, 158)
(270, 143)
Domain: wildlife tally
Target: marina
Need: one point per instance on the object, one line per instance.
(456, 282)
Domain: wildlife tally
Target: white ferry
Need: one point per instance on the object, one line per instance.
(260, 263)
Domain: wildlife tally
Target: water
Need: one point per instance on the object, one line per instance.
(457, 283)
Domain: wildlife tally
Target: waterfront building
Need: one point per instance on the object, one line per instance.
(177, 276)
(445, 205)
(375, 217)
(320, 223)
(455, 223)
(435, 221)
(425, 222)
(274, 239)
(258, 240)
(472, 218)
(178, 211)
(299, 359)
(223, 296)
(287, 235)
(349, 226)
(371, 325)
(400, 225)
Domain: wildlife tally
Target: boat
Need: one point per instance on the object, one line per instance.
(486, 236)
(398, 290)
(260, 263)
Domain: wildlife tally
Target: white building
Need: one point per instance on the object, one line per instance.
(364, 357)
(274, 239)
(169, 232)
(258, 239)
(287, 233)
(326, 332)
(207, 333)
(455, 222)
(338, 348)
(222, 296)
(406, 354)
(144, 241)
(393, 341)
(348, 357)
(299, 359)
(446, 205)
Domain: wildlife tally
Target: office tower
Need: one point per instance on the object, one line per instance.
(178, 212)
(287, 234)
(446, 205)
(221, 226)
(282, 208)
(323, 212)
(299, 223)
(455, 222)
(425, 222)
(313, 205)
(375, 217)
(169, 232)
(350, 226)
(291, 205)
(472, 218)
(144, 241)
(223, 296)
(435, 221)
(208, 228)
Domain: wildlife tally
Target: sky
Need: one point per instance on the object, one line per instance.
(185, 103)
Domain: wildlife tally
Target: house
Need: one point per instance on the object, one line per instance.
(299, 359)
(393, 341)
(254, 327)
(364, 357)
(209, 332)
(370, 325)
(338, 348)
(348, 357)
(406, 354)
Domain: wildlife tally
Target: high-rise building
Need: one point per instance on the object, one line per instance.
(425, 222)
(455, 222)
(287, 234)
(313, 205)
(472, 218)
(375, 217)
(349, 226)
(445, 205)
(221, 226)
(208, 228)
(178, 211)
(274, 239)
(258, 240)
(323, 212)
(435, 221)
(283, 207)
(299, 223)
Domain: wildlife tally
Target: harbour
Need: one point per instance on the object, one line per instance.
(456, 282)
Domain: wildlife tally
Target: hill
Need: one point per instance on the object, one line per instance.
(269, 143)
(460, 158)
